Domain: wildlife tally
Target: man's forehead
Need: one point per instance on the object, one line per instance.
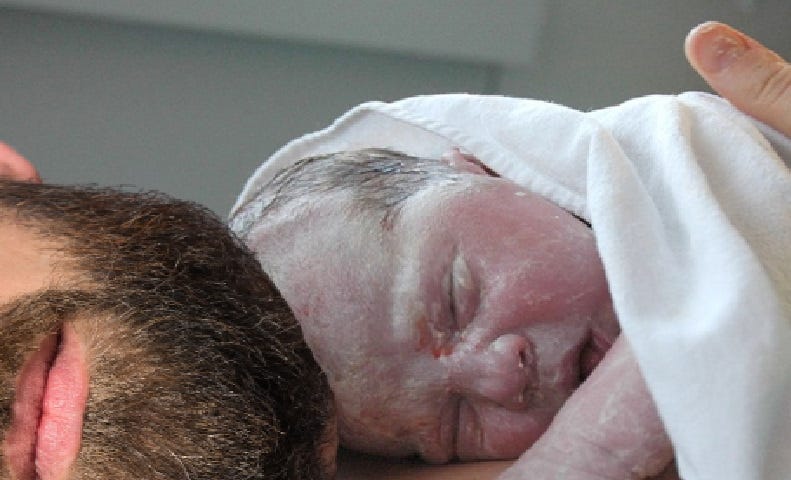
(27, 262)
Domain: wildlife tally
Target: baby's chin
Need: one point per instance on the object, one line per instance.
(355, 434)
(506, 436)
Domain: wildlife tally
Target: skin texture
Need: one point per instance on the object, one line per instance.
(456, 332)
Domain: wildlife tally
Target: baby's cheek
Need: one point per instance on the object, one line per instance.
(373, 416)
(376, 431)
(489, 432)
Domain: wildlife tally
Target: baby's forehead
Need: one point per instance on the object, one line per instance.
(379, 217)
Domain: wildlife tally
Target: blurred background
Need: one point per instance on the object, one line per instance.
(189, 96)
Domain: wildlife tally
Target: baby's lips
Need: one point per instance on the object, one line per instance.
(495, 433)
(592, 354)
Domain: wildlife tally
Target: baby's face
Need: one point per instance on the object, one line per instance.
(459, 330)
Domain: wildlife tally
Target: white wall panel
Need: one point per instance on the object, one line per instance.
(491, 31)
(188, 113)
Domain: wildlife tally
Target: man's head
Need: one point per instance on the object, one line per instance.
(452, 311)
(139, 339)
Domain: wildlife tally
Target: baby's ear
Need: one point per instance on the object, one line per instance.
(466, 162)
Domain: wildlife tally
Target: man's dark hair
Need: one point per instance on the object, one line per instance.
(198, 369)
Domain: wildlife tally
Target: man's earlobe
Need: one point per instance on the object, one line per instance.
(466, 162)
(16, 167)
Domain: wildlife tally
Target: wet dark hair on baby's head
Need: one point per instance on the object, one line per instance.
(378, 180)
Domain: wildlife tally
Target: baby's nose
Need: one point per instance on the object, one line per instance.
(500, 372)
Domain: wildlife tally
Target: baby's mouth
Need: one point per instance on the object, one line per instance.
(591, 354)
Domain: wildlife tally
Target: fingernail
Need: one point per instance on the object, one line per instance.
(719, 46)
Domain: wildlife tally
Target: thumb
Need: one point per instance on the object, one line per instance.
(755, 79)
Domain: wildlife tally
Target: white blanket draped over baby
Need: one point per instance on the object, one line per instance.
(690, 202)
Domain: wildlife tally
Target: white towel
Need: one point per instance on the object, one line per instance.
(691, 206)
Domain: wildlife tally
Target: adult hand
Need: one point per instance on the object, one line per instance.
(755, 79)
(608, 428)
(16, 167)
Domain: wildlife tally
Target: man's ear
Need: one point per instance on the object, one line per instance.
(466, 162)
(43, 439)
(16, 167)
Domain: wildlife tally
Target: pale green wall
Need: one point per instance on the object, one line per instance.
(187, 113)
(193, 113)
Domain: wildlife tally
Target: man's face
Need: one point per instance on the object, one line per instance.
(457, 331)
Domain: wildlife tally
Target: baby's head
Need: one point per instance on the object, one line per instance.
(452, 310)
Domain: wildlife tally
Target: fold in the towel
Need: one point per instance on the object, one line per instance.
(690, 202)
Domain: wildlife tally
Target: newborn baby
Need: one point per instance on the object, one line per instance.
(455, 311)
